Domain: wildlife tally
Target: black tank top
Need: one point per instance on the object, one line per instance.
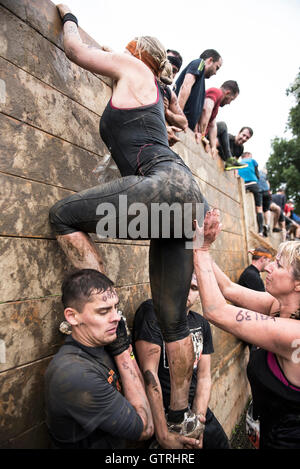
(137, 137)
(276, 402)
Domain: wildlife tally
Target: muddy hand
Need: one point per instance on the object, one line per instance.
(208, 233)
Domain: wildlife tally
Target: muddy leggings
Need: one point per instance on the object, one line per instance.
(101, 209)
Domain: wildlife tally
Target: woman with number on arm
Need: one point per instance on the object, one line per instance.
(269, 320)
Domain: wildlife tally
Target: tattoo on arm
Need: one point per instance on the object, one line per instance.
(246, 316)
(150, 380)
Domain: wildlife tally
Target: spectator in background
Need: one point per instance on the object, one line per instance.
(289, 208)
(264, 187)
(214, 98)
(250, 277)
(251, 176)
(190, 85)
(231, 147)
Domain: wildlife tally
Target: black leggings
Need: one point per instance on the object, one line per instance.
(170, 261)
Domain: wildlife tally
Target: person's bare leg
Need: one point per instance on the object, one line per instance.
(181, 358)
(81, 251)
(267, 217)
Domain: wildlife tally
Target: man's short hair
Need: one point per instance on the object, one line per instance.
(246, 127)
(178, 57)
(78, 287)
(260, 249)
(232, 86)
(210, 53)
(246, 153)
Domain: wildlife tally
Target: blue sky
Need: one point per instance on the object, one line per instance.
(258, 40)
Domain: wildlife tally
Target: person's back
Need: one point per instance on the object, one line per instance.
(248, 173)
(250, 278)
(132, 135)
(279, 199)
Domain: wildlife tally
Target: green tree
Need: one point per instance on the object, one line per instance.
(283, 166)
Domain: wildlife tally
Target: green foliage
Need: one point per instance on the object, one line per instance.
(283, 165)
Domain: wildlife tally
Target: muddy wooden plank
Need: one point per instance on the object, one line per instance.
(25, 206)
(43, 16)
(26, 48)
(230, 260)
(29, 330)
(28, 99)
(206, 169)
(34, 438)
(34, 154)
(22, 399)
(216, 198)
(34, 268)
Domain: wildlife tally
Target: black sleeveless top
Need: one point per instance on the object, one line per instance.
(276, 402)
(137, 137)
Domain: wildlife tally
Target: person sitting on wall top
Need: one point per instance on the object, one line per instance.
(190, 85)
(86, 405)
(231, 147)
(207, 125)
(152, 358)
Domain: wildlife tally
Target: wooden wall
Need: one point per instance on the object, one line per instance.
(49, 148)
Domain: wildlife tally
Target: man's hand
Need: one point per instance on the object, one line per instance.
(63, 9)
(172, 138)
(122, 341)
(177, 441)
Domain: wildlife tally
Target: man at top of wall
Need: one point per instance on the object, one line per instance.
(214, 98)
(190, 85)
(231, 147)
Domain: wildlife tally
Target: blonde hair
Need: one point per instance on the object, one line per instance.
(155, 48)
(290, 251)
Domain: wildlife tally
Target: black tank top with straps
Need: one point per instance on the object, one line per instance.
(137, 137)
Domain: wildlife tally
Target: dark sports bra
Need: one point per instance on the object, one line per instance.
(137, 137)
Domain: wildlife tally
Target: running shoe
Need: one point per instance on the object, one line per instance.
(190, 426)
(232, 163)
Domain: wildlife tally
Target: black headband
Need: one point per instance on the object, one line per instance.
(175, 61)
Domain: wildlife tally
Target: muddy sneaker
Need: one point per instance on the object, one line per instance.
(266, 230)
(190, 426)
(232, 163)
